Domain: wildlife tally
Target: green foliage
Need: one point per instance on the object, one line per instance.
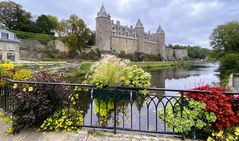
(136, 77)
(105, 106)
(193, 116)
(74, 32)
(13, 16)
(66, 120)
(229, 134)
(107, 72)
(229, 64)
(45, 25)
(225, 39)
(112, 71)
(42, 38)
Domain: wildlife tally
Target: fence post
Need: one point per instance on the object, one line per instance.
(115, 109)
(181, 110)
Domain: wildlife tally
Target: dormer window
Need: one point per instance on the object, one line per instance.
(10, 36)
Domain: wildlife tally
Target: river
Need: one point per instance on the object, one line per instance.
(185, 77)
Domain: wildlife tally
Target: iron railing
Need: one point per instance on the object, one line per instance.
(115, 108)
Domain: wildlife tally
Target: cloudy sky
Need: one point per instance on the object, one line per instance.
(186, 22)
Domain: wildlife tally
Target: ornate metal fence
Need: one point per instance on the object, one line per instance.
(115, 108)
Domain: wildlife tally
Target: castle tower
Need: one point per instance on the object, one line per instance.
(139, 28)
(103, 30)
(161, 42)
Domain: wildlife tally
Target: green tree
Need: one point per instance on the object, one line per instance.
(225, 38)
(229, 64)
(45, 25)
(74, 32)
(13, 16)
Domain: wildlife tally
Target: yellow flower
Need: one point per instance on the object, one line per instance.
(24, 89)
(210, 139)
(15, 86)
(30, 89)
(219, 134)
(237, 131)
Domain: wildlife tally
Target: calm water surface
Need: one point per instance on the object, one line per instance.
(185, 77)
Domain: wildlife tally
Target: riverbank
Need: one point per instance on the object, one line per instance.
(160, 64)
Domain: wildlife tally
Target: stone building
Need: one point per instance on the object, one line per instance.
(115, 38)
(9, 46)
(176, 54)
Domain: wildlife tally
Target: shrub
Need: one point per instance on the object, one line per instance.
(66, 120)
(6, 70)
(136, 77)
(228, 134)
(193, 116)
(229, 64)
(22, 74)
(34, 103)
(224, 106)
(107, 71)
(112, 71)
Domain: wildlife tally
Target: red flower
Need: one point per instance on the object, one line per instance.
(225, 106)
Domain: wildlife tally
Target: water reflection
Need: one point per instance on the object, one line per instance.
(185, 77)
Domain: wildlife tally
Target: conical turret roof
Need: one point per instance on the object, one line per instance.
(160, 30)
(102, 12)
(139, 23)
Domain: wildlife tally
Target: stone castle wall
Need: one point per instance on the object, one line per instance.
(176, 54)
(123, 44)
(151, 47)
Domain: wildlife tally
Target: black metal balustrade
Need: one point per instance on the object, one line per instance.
(115, 108)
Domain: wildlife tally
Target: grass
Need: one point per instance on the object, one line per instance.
(159, 64)
(80, 71)
(42, 38)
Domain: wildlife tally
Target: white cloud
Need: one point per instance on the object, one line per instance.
(188, 22)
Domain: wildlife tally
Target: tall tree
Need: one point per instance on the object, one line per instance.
(225, 39)
(13, 16)
(45, 25)
(74, 32)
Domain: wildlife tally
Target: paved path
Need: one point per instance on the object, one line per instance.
(82, 136)
(85, 134)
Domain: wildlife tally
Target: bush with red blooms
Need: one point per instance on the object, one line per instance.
(225, 106)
